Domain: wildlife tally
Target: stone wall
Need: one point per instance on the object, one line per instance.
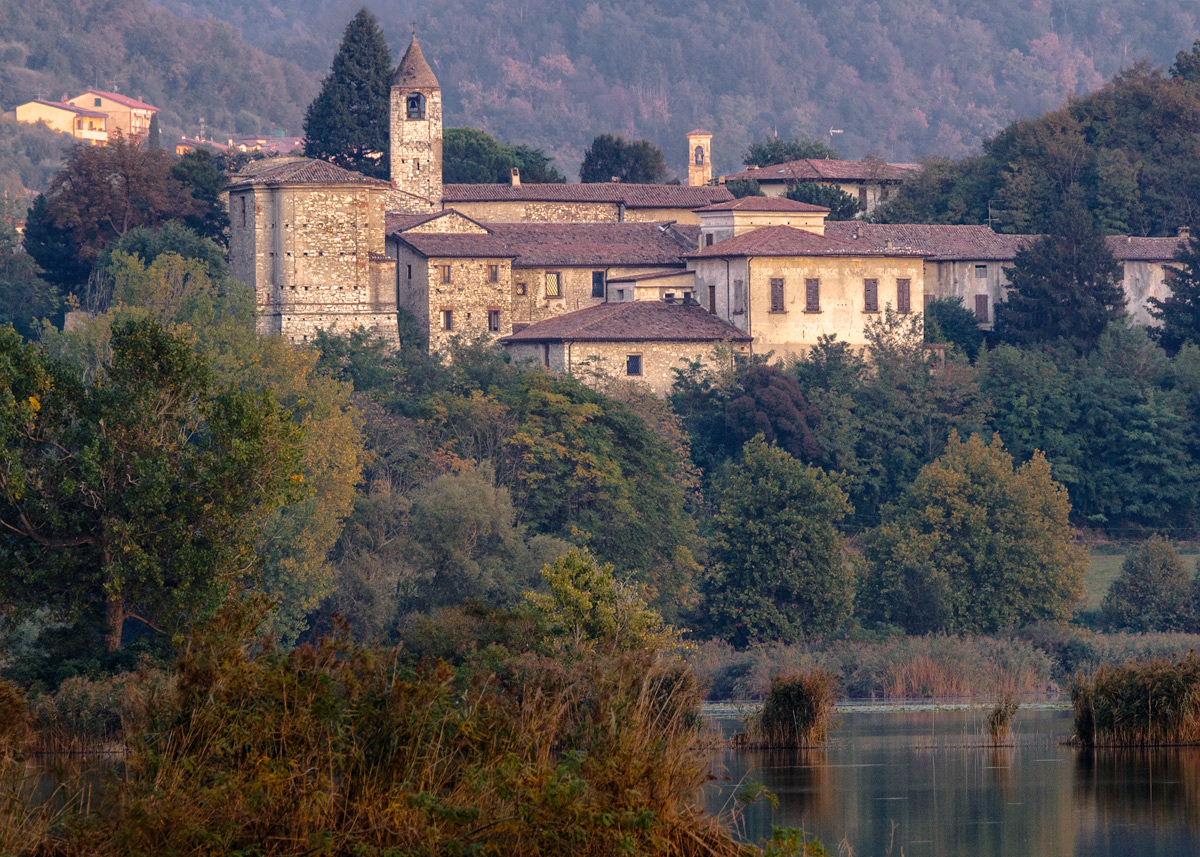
(416, 156)
(469, 297)
(540, 212)
(659, 359)
(452, 221)
(532, 305)
(1142, 281)
(963, 279)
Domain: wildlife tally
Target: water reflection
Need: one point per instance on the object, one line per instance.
(926, 784)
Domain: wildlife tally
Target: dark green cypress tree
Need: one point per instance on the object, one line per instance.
(1063, 286)
(348, 123)
(1179, 315)
(154, 136)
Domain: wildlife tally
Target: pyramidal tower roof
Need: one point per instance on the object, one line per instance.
(414, 72)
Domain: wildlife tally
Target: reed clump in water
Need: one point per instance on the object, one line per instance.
(1000, 719)
(1151, 703)
(798, 712)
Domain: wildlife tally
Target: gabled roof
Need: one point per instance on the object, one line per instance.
(1128, 248)
(540, 245)
(393, 222)
(649, 275)
(699, 132)
(120, 99)
(414, 71)
(632, 195)
(763, 203)
(299, 171)
(935, 241)
(70, 108)
(788, 241)
(632, 321)
(826, 169)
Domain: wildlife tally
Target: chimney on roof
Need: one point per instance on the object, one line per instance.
(889, 244)
(856, 234)
(1185, 232)
(752, 167)
(516, 176)
(64, 98)
(615, 179)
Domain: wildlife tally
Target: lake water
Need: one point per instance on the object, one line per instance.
(924, 784)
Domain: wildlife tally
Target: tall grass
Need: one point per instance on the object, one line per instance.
(798, 712)
(1000, 718)
(336, 748)
(1146, 704)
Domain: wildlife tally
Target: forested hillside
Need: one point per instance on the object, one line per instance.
(905, 78)
(189, 69)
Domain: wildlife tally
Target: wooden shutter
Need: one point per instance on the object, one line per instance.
(871, 295)
(776, 294)
(904, 295)
(712, 299)
(981, 308)
(812, 295)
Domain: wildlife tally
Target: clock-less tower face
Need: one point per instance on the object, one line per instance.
(416, 135)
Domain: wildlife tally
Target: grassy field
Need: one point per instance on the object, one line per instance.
(1104, 569)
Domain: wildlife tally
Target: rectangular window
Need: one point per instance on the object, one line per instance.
(493, 273)
(96, 103)
(884, 193)
(546, 355)
(447, 319)
(739, 297)
(777, 294)
(862, 198)
(553, 284)
(708, 239)
(620, 294)
(243, 211)
(410, 272)
(904, 295)
(597, 284)
(633, 364)
(445, 273)
(871, 295)
(494, 320)
(712, 299)
(981, 308)
(521, 288)
(981, 272)
(812, 295)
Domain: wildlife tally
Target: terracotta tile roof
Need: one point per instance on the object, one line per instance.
(649, 275)
(299, 171)
(456, 245)
(763, 203)
(632, 321)
(787, 241)
(537, 245)
(699, 132)
(1132, 249)
(413, 70)
(592, 244)
(935, 241)
(632, 195)
(393, 222)
(70, 108)
(826, 169)
(120, 99)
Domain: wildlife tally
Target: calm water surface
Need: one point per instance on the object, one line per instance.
(921, 784)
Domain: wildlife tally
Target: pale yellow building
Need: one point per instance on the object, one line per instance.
(699, 157)
(88, 125)
(788, 287)
(127, 116)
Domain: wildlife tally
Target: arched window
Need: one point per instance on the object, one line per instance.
(699, 156)
(415, 104)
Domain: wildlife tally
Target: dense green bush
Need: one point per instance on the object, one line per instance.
(1153, 592)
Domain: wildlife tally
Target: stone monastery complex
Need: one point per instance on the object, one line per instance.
(633, 279)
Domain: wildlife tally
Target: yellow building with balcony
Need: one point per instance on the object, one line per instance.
(79, 122)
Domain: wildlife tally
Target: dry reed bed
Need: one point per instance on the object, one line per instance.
(798, 711)
(1151, 703)
(340, 749)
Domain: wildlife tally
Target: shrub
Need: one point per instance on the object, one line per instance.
(1147, 704)
(86, 714)
(14, 719)
(798, 712)
(1152, 592)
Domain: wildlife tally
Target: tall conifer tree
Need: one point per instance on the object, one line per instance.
(347, 123)
(1179, 315)
(1065, 285)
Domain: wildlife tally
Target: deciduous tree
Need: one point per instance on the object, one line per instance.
(778, 569)
(1152, 593)
(841, 205)
(974, 545)
(612, 156)
(1178, 316)
(780, 150)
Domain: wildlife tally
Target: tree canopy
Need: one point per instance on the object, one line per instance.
(841, 205)
(612, 156)
(1178, 316)
(472, 156)
(1153, 591)
(349, 120)
(974, 545)
(780, 150)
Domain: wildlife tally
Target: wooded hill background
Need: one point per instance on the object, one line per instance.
(903, 78)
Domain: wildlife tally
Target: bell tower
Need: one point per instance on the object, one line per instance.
(699, 157)
(416, 128)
